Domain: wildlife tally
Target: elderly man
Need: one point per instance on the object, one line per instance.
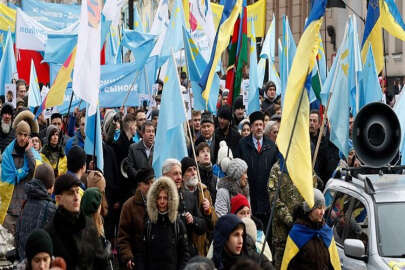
(17, 168)
(7, 134)
(188, 205)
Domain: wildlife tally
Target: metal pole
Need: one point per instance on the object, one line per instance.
(130, 89)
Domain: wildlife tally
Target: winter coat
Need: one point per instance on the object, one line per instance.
(38, 210)
(50, 156)
(165, 240)
(75, 140)
(232, 140)
(267, 104)
(137, 159)
(209, 179)
(202, 242)
(191, 202)
(75, 239)
(227, 188)
(221, 258)
(259, 166)
(314, 255)
(131, 229)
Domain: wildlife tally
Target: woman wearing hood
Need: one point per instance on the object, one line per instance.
(231, 244)
(236, 182)
(53, 152)
(166, 244)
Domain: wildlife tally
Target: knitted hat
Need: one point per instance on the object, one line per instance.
(207, 117)
(238, 202)
(187, 163)
(64, 183)
(225, 112)
(319, 201)
(7, 108)
(251, 229)
(44, 172)
(223, 152)
(23, 127)
(236, 168)
(96, 179)
(258, 115)
(38, 241)
(91, 201)
(144, 175)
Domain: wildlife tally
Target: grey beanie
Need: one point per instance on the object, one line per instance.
(236, 168)
(44, 172)
(319, 201)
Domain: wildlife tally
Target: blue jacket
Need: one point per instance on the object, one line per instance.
(75, 140)
(38, 210)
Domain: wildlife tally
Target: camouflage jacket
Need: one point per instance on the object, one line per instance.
(289, 198)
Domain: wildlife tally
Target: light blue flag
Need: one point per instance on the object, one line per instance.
(274, 77)
(196, 65)
(59, 47)
(322, 62)
(111, 46)
(286, 56)
(269, 44)
(52, 15)
(355, 66)
(173, 41)
(147, 77)
(34, 94)
(93, 144)
(141, 45)
(339, 107)
(138, 26)
(253, 94)
(8, 66)
(370, 89)
(170, 141)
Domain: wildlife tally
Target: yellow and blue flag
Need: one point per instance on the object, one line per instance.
(299, 235)
(195, 66)
(381, 14)
(11, 176)
(293, 140)
(232, 9)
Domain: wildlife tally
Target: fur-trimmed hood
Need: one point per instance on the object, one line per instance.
(163, 183)
(233, 186)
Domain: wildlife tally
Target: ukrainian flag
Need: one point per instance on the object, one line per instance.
(10, 176)
(381, 14)
(231, 12)
(300, 235)
(293, 140)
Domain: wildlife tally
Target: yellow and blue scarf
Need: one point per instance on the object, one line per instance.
(299, 235)
(10, 176)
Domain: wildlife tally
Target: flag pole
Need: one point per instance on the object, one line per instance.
(281, 171)
(95, 140)
(189, 131)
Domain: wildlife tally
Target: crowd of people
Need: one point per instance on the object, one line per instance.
(209, 210)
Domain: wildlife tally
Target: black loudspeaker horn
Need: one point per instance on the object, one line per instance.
(376, 134)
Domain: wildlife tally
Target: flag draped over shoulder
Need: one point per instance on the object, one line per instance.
(381, 14)
(10, 176)
(230, 13)
(86, 76)
(170, 141)
(293, 138)
(299, 235)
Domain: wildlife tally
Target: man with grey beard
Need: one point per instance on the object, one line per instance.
(7, 134)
